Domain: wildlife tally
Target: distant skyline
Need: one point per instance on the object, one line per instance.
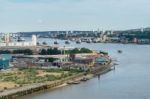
(44, 15)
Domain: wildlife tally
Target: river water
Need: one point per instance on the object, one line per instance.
(130, 79)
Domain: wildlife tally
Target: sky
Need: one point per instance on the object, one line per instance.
(46, 15)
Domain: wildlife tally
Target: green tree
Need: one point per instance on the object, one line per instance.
(43, 52)
(26, 52)
(51, 59)
(85, 50)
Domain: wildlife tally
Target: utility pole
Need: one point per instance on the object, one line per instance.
(64, 52)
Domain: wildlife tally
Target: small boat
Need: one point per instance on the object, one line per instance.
(67, 42)
(70, 82)
(78, 42)
(55, 42)
(88, 41)
(20, 39)
(84, 79)
(73, 82)
(119, 51)
(76, 82)
(94, 41)
(44, 43)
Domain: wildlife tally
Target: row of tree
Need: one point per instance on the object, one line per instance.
(77, 51)
(19, 51)
(51, 51)
(55, 51)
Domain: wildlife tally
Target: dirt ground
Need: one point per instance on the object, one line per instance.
(7, 85)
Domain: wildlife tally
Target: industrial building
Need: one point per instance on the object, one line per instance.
(5, 61)
(7, 40)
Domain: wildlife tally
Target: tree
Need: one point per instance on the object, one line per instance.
(26, 52)
(43, 52)
(82, 50)
(50, 51)
(85, 50)
(56, 51)
(74, 51)
(51, 59)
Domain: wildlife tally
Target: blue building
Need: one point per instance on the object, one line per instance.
(5, 61)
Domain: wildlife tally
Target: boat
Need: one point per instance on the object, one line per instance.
(84, 79)
(95, 40)
(73, 82)
(76, 82)
(78, 42)
(69, 82)
(88, 41)
(84, 39)
(119, 51)
(44, 43)
(55, 42)
(20, 39)
(67, 42)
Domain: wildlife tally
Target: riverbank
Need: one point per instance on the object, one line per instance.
(22, 91)
(130, 75)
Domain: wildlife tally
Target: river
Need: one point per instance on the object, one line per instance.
(130, 79)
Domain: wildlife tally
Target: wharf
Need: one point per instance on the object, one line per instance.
(25, 90)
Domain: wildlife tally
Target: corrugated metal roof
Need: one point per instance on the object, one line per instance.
(102, 59)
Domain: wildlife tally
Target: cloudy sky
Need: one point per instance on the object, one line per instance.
(35, 15)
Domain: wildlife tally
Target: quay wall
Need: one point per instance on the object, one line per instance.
(32, 89)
